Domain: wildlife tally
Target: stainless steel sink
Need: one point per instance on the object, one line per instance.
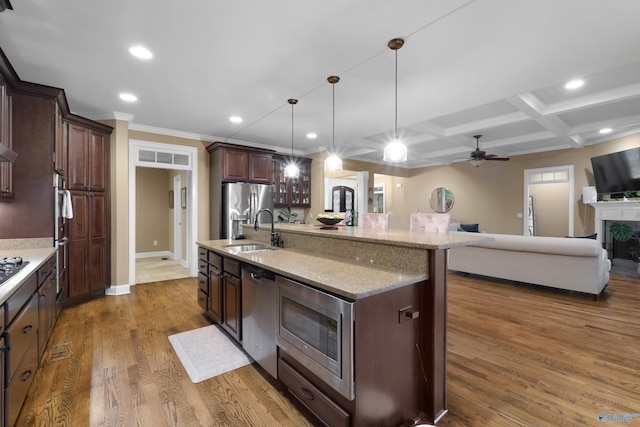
(248, 247)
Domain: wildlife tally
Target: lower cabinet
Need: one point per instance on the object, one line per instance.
(88, 244)
(220, 290)
(31, 313)
(311, 397)
(232, 298)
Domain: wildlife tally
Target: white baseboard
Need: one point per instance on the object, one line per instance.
(116, 290)
(154, 254)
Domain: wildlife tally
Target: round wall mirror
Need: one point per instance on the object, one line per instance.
(441, 200)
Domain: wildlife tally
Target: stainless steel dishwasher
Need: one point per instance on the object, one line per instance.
(260, 316)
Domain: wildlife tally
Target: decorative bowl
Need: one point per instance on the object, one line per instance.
(329, 221)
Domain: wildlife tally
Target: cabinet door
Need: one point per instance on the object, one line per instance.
(215, 294)
(78, 140)
(232, 311)
(79, 245)
(260, 169)
(234, 165)
(98, 254)
(281, 185)
(305, 184)
(60, 144)
(97, 161)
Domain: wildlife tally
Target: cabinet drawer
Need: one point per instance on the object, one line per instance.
(232, 267)
(202, 253)
(20, 334)
(320, 404)
(17, 389)
(22, 295)
(215, 259)
(203, 267)
(202, 299)
(203, 283)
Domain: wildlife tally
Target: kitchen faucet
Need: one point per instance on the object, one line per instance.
(275, 237)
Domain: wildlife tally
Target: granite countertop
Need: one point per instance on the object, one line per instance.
(393, 237)
(36, 258)
(339, 275)
(346, 279)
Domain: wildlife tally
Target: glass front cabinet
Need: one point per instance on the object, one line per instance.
(292, 192)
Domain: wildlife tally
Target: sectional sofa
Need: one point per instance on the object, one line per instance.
(572, 264)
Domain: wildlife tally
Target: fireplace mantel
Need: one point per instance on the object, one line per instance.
(624, 210)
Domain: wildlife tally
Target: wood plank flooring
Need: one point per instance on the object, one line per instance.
(517, 356)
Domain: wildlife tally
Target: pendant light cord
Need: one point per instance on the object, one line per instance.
(333, 117)
(396, 94)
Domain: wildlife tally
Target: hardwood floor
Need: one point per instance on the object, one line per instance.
(518, 355)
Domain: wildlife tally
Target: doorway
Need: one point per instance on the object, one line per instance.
(548, 201)
(185, 202)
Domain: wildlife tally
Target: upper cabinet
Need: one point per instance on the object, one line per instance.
(292, 192)
(233, 163)
(86, 161)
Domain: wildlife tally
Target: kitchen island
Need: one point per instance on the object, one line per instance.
(396, 280)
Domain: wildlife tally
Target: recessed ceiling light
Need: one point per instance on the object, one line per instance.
(128, 97)
(605, 130)
(312, 135)
(574, 84)
(235, 119)
(140, 52)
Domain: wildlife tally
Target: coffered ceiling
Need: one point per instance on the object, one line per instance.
(491, 67)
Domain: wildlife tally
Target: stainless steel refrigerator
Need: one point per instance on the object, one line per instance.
(240, 204)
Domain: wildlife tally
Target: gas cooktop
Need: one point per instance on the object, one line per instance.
(9, 266)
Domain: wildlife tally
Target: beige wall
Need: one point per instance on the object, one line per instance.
(154, 218)
(490, 195)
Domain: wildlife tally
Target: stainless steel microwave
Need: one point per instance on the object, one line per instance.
(316, 329)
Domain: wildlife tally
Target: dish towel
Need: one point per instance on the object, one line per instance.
(67, 209)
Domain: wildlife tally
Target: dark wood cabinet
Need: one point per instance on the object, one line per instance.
(220, 287)
(88, 243)
(60, 143)
(214, 307)
(239, 165)
(232, 309)
(21, 338)
(292, 192)
(89, 229)
(47, 311)
(87, 158)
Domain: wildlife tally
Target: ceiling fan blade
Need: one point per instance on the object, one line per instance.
(494, 157)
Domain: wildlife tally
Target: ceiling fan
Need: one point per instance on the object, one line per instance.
(478, 156)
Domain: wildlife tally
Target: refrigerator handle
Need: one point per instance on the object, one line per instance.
(251, 206)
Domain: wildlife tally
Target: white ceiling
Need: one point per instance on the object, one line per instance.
(490, 67)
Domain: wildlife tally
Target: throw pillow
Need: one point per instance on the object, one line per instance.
(473, 228)
(593, 236)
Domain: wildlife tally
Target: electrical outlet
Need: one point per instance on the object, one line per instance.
(407, 313)
(155, 243)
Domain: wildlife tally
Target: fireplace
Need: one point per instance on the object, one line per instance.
(623, 255)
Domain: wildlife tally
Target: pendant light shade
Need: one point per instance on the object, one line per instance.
(395, 151)
(291, 170)
(333, 162)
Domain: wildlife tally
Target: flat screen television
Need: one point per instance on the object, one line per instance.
(616, 173)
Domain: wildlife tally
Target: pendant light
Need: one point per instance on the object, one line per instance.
(395, 151)
(333, 162)
(291, 170)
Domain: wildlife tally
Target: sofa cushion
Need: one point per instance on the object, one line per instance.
(547, 245)
(473, 228)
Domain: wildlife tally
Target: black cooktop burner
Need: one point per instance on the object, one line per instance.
(9, 266)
